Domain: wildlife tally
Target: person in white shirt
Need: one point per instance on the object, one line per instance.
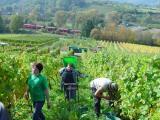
(99, 86)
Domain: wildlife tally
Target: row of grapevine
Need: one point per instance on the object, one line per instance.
(137, 75)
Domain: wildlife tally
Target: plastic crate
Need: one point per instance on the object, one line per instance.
(70, 60)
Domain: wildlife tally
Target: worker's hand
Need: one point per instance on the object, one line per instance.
(107, 97)
(26, 95)
(48, 105)
(115, 96)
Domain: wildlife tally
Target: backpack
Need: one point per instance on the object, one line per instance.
(67, 76)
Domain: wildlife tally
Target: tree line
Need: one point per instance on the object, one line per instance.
(91, 23)
(11, 25)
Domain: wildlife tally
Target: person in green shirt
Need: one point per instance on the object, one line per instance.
(37, 86)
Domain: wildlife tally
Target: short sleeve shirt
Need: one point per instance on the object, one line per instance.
(37, 86)
(100, 83)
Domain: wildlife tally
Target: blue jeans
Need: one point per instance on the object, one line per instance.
(38, 115)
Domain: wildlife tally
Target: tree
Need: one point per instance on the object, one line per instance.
(72, 19)
(80, 3)
(86, 28)
(144, 37)
(64, 4)
(114, 17)
(130, 36)
(69, 4)
(33, 15)
(1, 25)
(96, 33)
(16, 23)
(128, 17)
(90, 19)
(122, 33)
(93, 15)
(61, 18)
(156, 37)
(109, 32)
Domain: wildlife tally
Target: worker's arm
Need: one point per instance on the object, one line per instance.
(81, 75)
(61, 71)
(99, 93)
(47, 97)
(26, 94)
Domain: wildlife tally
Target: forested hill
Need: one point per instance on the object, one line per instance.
(142, 2)
(53, 2)
(25, 6)
(50, 6)
(8, 1)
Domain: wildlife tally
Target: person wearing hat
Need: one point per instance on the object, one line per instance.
(99, 86)
(38, 89)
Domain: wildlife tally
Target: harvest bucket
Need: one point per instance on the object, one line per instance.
(70, 60)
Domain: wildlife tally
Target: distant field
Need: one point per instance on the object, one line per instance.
(26, 42)
(135, 48)
(48, 40)
(103, 9)
(145, 10)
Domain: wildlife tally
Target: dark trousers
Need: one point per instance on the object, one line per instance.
(97, 102)
(3, 113)
(69, 93)
(38, 115)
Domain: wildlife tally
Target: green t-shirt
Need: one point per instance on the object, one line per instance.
(37, 86)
